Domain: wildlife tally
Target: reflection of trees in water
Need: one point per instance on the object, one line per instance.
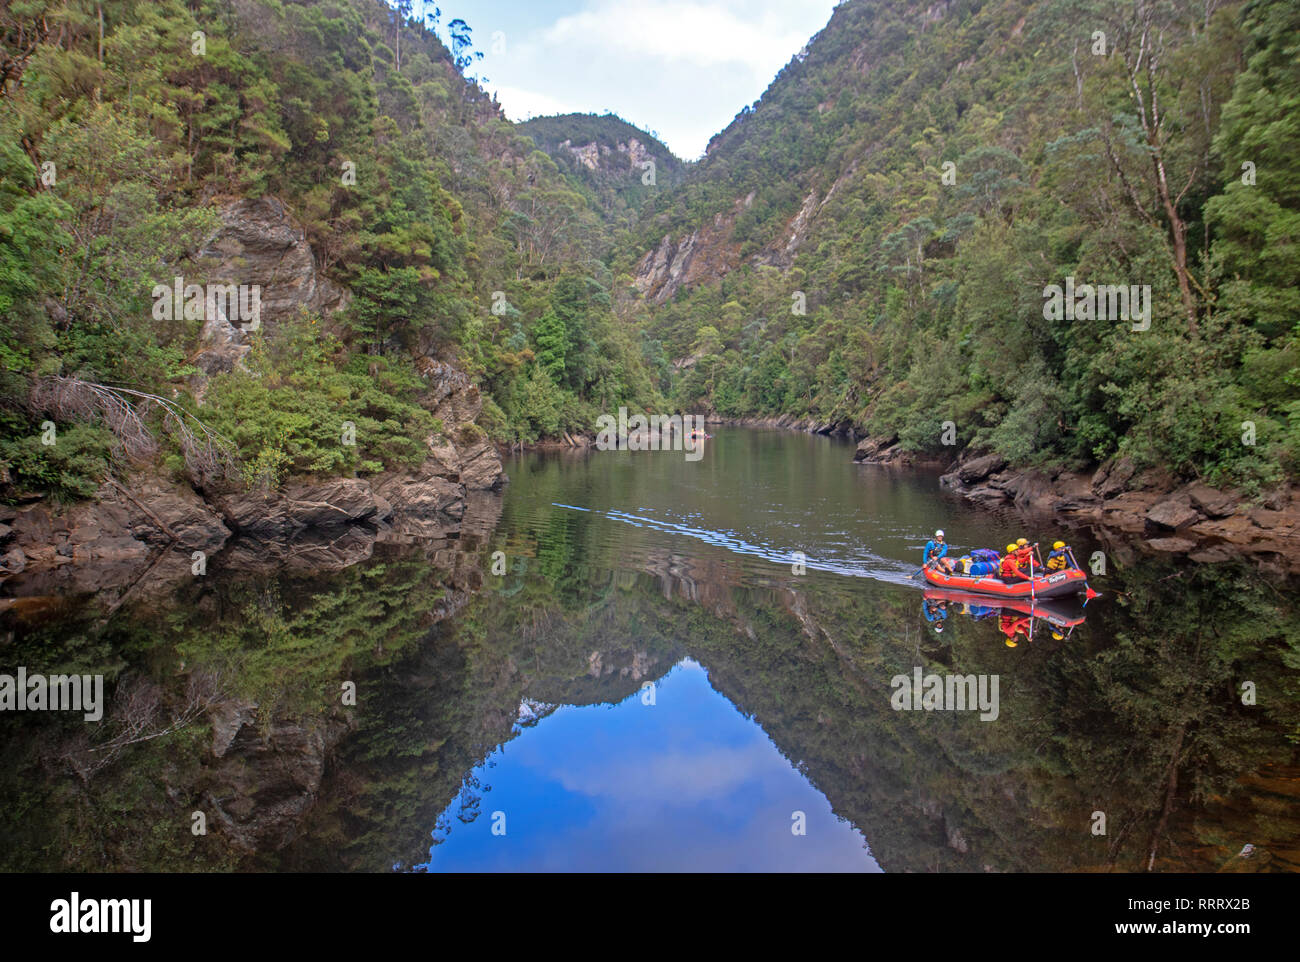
(280, 646)
(469, 802)
(1139, 715)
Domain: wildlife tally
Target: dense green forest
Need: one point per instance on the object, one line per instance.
(611, 176)
(880, 229)
(950, 161)
(123, 123)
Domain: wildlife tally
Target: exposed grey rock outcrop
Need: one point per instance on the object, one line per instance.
(461, 453)
(1194, 520)
(303, 505)
(222, 348)
(259, 243)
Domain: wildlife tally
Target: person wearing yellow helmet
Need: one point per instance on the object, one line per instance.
(1059, 559)
(1012, 625)
(1009, 569)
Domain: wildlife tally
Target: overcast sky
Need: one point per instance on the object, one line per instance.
(683, 68)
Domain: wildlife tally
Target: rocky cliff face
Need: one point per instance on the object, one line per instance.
(704, 254)
(707, 253)
(626, 157)
(134, 528)
(260, 243)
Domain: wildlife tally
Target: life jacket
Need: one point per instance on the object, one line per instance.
(1009, 567)
(1057, 561)
(1012, 625)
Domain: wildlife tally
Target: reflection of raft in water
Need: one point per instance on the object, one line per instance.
(1059, 614)
(1057, 584)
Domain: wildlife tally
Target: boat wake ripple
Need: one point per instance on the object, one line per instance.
(863, 565)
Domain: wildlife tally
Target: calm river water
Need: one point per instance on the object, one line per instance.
(633, 661)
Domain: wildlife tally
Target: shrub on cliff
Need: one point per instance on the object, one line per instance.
(305, 406)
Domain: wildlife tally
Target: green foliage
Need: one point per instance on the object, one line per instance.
(70, 469)
(924, 283)
(289, 412)
(414, 191)
(617, 183)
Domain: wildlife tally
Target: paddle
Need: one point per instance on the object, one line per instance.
(1088, 593)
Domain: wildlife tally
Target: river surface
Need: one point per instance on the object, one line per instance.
(639, 661)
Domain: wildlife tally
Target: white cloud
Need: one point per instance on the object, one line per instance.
(520, 104)
(673, 30)
(683, 68)
(672, 777)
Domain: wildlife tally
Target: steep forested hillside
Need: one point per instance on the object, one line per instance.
(126, 126)
(870, 244)
(617, 164)
(873, 241)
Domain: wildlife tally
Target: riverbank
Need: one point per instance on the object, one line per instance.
(130, 524)
(1194, 520)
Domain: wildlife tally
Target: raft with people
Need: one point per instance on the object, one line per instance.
(1050, 585)
(1017, 573)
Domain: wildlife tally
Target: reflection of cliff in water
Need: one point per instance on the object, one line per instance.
(1137, 714)
(225, 692)
(1140, 719)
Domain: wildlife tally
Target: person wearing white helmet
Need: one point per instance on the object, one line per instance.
(936, 550)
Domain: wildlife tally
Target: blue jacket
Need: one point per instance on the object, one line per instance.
(932, 545)
(939, 612)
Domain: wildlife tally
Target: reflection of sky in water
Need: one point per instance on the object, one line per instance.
(688, 783)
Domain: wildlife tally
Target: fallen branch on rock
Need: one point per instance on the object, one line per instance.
(208, 455)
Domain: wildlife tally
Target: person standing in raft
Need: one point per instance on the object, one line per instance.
(935, 554)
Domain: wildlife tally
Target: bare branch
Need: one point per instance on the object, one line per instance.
(208, 455)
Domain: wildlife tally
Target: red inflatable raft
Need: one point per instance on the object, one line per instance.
(1057, 584)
